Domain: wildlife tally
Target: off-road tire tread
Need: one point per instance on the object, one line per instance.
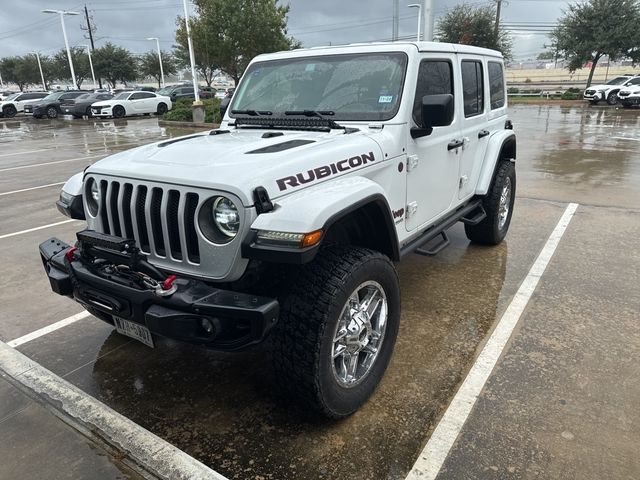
(485, 232)
(301, 323)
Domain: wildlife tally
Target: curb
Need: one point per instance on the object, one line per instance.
(150, 452)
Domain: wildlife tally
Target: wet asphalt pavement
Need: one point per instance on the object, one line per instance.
(561, 403)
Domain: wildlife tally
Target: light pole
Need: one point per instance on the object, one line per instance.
(419, 7)
(191, 57)
(1, 82)
(428, 20)
(44, 86)
(62, 13)
(93, 75)
(159, 59)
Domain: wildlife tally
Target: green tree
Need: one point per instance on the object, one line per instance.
(474, 26)
(227, 34)
(114, 64)
(590, 30)
(150, 66)
(546, 55)
(23, 71)
(60, 65)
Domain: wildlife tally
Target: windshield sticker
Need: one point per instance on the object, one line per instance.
(310, 67)
(385, 99)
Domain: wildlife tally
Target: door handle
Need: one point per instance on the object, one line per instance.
(455, 144)
(483, 133)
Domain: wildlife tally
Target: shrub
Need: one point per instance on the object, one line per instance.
(569, 95)
(513, 90)
(527, 80)
(182, 111)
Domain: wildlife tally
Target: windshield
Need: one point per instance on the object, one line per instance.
(354, 87)
(618, 80)
(164, 91)
(52, 96)
(122, 96)
(12, 96)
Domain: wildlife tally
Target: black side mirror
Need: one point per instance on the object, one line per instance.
(224, 104)
(437, 111)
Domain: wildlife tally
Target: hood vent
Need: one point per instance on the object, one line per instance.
(280, 147)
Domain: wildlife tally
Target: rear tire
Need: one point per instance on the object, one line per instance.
(328, 373)
(118, 111)
(162, 109)
(88, 112)
(498, 204)
(52, 112)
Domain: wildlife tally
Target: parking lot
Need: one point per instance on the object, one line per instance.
(562, 401)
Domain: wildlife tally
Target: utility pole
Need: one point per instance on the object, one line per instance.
(497, 26)
(93, 47)
(396, 14)
(427, 13)
(44, 85)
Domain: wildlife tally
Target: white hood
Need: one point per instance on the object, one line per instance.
(241, 160)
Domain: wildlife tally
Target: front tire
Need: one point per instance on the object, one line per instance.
(52, 112)
(9, 111)
(498, 204)
(337, 329)
(612, 98)
(118, 111)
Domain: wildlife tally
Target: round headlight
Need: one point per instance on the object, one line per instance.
(93, 197)
(219, 220)
(225, 216)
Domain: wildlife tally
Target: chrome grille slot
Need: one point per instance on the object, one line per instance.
(193, 251)
(143, 235)
(173, 229)
(155, 221)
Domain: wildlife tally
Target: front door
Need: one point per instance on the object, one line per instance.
(433, 160)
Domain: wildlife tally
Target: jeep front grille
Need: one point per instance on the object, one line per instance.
(154, 216)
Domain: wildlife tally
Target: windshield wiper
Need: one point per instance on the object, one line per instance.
(319, 114)
(253, 113)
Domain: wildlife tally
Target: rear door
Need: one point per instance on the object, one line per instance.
(485, 113)
(150, 103)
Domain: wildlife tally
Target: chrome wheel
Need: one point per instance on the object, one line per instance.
(359, 334)
(505, 203)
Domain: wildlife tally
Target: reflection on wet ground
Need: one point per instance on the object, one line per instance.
(589, 155)
(220, 407)
(88, 136)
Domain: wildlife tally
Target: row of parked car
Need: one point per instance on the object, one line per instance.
(99, 103)
(624, 90)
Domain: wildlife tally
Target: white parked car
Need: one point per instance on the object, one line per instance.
(131, 103)
(609, 91)
(330, 164)
(629, 96)
(15, 103)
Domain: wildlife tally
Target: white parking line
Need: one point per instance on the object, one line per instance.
(50, 163)
(435, 452)
(32, 188)
(7, 235)
(152, 453)
(48, 329)
(22, 153)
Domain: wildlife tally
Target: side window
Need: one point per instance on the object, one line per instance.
(136, 96)
(473, 88)
(435, 77)
(496, 85)
(146, 95)
(20, 98)
(635, 81)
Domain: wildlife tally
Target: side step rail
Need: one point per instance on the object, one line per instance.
(439, 229)
(436, 249)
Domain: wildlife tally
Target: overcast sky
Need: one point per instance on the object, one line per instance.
(24, 29)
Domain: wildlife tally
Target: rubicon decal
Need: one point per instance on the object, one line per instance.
(324, 171)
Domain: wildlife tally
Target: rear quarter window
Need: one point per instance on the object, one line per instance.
(496, 85)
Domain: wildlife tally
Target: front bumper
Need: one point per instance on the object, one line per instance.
(238, 319)
(101, 112)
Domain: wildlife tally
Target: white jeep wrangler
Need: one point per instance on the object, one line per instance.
(330, 164)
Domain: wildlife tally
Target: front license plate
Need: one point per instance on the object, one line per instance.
(134, 330)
